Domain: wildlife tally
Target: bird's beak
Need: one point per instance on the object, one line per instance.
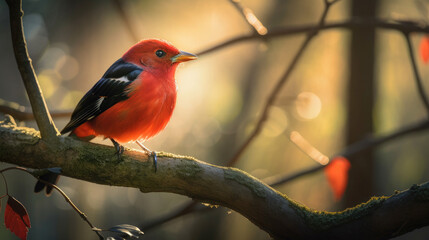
(183, 57)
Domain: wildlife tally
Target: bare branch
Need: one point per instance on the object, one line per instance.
(272, 211)
(419, 84)
(38, 104)
(188, 207)
(275, 91)
(353, 149)
(356, 22)
(21, 113)
(119, 6)
(250, 18)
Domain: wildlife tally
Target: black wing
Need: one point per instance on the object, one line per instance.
(108, 91)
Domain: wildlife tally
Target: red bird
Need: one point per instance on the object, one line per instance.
(134, 99)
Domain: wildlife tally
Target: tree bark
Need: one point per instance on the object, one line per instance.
(269, 209)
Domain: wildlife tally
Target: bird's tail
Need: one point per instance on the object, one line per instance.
(84, 132)
(86, 138)
(51, 177)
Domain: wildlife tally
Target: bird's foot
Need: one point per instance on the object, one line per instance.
(155, 160)
(150, 153)
(119, 149)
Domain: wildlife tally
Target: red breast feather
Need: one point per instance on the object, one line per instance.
(143, 115)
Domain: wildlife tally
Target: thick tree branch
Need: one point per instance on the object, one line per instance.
(281, 217)
(38, 104)
(275, 181)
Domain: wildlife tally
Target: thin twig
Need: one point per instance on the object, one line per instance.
(273, 95)
(250, 18)
(276, 181)
(124, 16)
(355, 22)
(183, 210)
(44, 121)
(353, 149)
(419, 84)
(22, 113)
(5, 185)
(68, 200)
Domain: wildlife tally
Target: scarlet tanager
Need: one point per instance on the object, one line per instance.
(133, 100)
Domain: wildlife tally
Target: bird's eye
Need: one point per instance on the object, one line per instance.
(160, 53)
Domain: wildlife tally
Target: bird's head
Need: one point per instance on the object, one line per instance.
(156, 54)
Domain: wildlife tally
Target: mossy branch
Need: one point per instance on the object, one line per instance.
(272, 211)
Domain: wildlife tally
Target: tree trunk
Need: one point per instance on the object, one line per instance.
(360, 104)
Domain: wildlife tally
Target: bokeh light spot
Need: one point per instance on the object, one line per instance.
(308, 105)
(67, 67)
(50, 58)
(46, 80)
(71, 99)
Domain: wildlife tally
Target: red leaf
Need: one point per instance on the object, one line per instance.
(16, 218)
(337, 174)
(424, 48)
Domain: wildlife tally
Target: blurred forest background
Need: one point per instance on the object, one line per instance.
(220, 96)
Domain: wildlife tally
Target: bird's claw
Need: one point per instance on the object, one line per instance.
(119, 149)
(155, 160)
(150, 153)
